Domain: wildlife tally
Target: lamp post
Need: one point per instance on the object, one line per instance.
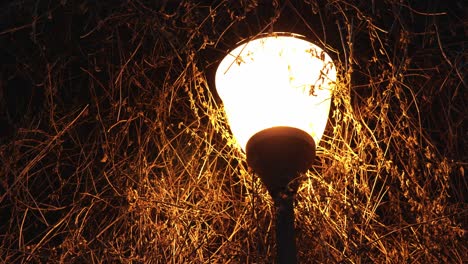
(276, 90)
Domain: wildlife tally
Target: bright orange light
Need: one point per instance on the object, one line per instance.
(278, 80)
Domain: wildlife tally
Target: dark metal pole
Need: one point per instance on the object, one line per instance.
(279, 155)
(285, 235)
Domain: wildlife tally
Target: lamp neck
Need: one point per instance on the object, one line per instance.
(285, 233)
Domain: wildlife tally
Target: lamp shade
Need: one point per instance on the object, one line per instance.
(279, 80)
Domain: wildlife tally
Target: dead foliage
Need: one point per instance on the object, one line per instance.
(114, 146)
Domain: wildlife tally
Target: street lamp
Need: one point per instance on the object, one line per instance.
(276, 90)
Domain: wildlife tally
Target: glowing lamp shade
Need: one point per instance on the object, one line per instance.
(279, 80)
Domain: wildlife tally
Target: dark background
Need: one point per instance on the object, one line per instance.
(71, 71)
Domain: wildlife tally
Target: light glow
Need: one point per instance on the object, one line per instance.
(278, 80)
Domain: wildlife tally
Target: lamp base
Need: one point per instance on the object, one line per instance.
(278, 155)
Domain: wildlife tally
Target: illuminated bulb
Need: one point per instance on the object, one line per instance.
(280, 80)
